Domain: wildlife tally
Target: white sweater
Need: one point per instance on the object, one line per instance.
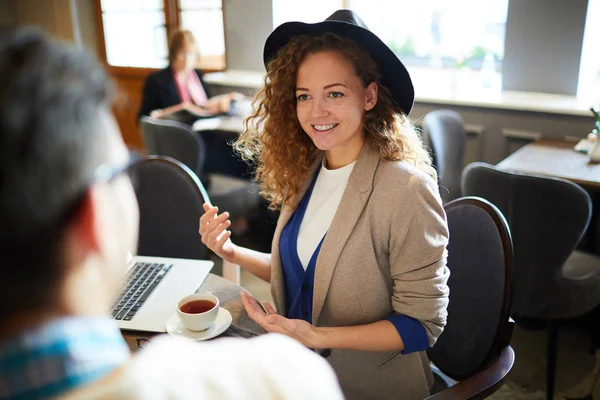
(268, 367)
(322, 206)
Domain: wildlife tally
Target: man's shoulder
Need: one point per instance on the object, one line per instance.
(225, 368)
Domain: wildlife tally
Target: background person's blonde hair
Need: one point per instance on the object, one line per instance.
(278, 146)
(179, 40)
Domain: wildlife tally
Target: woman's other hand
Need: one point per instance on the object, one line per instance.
(214, 232)
(157, 113)
(224, 104)
(237, 96)
(298, 329)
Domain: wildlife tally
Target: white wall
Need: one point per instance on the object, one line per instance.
(247, 25)
(86, 11)
(543, 45)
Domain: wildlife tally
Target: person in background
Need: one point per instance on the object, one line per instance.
(180, 85)
(358, 262)
(69, 219)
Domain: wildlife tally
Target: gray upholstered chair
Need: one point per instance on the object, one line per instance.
(170, 198)
(474, 347)
(176, 140)
(547, 218)
(444, 133)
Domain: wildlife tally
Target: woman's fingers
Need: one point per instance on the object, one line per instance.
(271, 323)
(269, 308)
(221, 242)
(209, 214)
(251, 306)
(211, 222)
(213, 236)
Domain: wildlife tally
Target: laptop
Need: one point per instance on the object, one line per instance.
(152, 289)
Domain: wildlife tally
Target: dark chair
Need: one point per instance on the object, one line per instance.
(547, 217)
(173, 139)
(444, 133)
(170, 198)
(472, 357)
(177, 140)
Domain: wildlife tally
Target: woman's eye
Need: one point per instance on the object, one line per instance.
(336, 95)
(302, 97)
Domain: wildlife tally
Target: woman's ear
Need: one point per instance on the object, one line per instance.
(371, 96)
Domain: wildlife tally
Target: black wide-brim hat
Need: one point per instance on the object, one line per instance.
(346, 23)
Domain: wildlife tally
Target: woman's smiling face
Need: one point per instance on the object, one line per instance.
(332, 101)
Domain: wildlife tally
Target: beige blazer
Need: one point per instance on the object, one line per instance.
(384, 253)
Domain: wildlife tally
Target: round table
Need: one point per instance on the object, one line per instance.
(229, 297)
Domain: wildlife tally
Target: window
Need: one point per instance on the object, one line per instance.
(589, 71)
(136, 31)
(309, 11)
(205, 19)
(456, 45)
(446, 46)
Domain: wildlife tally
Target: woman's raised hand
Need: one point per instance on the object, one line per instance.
(213, 229)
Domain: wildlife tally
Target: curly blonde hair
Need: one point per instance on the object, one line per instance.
(277, 145)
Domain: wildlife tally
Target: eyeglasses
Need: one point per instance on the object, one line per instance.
(107, 172)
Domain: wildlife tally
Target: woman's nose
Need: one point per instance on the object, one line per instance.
(319, 108)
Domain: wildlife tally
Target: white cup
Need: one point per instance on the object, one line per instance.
(201, 321)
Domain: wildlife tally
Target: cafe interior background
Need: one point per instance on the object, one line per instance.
(516, 71)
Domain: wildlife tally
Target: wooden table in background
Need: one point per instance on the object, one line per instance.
(229, 297)
(554, 159)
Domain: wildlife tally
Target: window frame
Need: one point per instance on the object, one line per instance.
(172, 23)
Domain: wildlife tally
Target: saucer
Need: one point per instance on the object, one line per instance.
(175, 326)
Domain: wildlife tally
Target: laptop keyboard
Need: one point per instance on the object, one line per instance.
(141, 282)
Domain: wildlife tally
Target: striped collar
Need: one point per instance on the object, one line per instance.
(59, 356)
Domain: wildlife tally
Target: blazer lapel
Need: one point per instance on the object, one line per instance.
(354, 200)
(277, 284)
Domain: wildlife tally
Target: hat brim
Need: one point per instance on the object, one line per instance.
(394, 75)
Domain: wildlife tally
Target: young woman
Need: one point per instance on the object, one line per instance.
(358, 263)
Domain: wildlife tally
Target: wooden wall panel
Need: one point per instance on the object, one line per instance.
(126, 108)
(54, 16)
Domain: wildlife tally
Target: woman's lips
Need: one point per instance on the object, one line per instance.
(323, 129)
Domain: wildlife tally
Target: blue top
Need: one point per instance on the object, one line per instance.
(60, 356)
(299, 283)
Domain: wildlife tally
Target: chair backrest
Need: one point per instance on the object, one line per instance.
(170, 198)
(444, 133)
(174, 139)
(480, 259)
(547, 218)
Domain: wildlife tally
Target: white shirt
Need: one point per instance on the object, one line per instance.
(267, 367)
(322, 206)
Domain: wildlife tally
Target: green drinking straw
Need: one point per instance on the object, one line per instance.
(597, 115)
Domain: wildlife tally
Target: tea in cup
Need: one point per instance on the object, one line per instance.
(198, 311)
